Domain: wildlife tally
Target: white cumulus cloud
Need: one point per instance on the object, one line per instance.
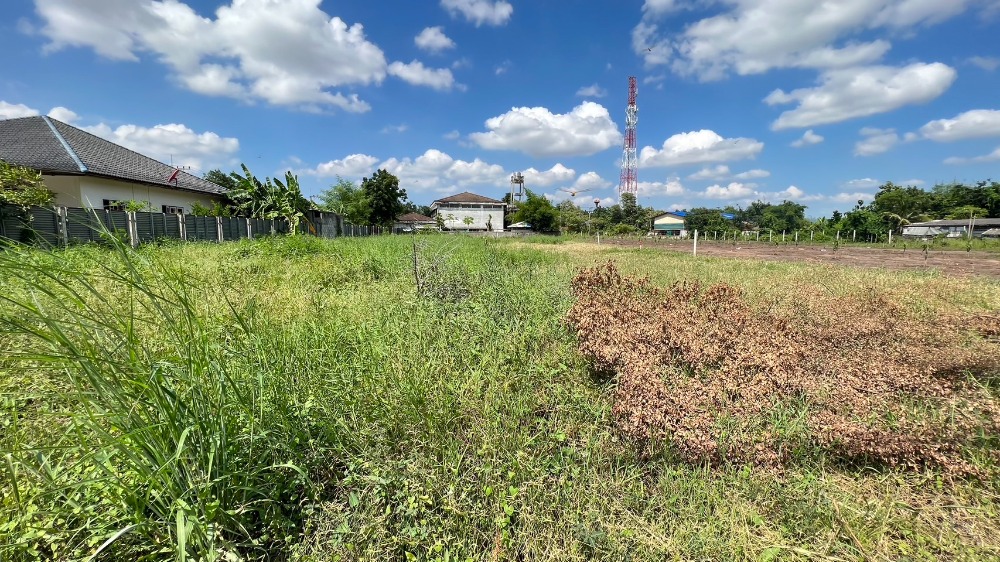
(671, 187)
(15, 110)
(350, 167)
(480, 12)
(755, 36)
(991, 157)
(433, 40)
(417, 74)
(699, 147)
(436, 171)
(875, 141)
(859, 92)
(555, 175)
(536, 131)
(288, 53)
(171, 142)
(977, 123)
(809, 138)
(592, 91)
(733, 191)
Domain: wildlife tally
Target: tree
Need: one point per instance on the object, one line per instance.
(706, 220)
(786, 216)
(269, 199)
(218, 177)
(22, 187)
(411, 207)
(633, 214)
(287, 201)
(384, 196)
(346, 199)
(538, 212)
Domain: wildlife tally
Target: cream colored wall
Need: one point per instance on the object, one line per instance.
(668, 220)
(480, 216)
(93, 192)
(66, 188)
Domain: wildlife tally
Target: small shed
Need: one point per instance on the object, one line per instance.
(669, 224)
(520, 227)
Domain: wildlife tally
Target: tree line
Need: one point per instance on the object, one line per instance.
(893, 208)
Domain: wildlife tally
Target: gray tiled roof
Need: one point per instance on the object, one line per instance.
(56, 148)
(467, 197)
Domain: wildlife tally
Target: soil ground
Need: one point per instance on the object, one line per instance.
(945, 262)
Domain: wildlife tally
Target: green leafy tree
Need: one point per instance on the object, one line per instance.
(786, 216)
(346, 199)
(22, 187)
(706, 220)
(384, 196)
(537, 211)
(572, 218)
(287, 201)
(633, 214)
(411, 207)
(218, 177)
(269, 199)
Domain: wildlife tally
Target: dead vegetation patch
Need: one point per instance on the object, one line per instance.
(857, 378)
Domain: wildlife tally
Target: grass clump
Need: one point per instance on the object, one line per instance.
(168, 445)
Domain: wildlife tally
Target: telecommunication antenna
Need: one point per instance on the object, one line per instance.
(630, 162)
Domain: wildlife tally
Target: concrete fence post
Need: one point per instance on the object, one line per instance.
(182, 226)
(63, 224)
(133, 229)
(249, 228)
(218, 229)
(695, 253)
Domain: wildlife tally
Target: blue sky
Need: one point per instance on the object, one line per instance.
(738, 99)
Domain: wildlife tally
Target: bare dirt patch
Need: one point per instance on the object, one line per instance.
(946, 262)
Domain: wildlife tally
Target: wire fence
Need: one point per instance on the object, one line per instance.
(61, 226)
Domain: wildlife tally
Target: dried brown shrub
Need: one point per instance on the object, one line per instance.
(856, 377)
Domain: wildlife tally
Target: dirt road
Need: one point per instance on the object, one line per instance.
(950, 262)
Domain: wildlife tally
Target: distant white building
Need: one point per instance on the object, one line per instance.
(950, 228)
(468, 211)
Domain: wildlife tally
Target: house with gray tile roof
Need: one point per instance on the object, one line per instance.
(84, 170)
(469, 211)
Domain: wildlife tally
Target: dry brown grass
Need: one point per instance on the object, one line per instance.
(857, 378)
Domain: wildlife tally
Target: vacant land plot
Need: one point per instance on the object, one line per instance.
(945, 262)
(455, 399)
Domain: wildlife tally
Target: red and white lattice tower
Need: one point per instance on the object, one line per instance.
(630, 161)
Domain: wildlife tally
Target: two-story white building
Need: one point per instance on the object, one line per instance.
(468, 211)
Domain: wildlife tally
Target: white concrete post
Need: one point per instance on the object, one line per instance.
(695, 242)
(133, 230)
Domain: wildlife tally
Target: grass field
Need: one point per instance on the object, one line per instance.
(298, 399)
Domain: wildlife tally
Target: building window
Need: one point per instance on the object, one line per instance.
(113, 205)
(173, 210)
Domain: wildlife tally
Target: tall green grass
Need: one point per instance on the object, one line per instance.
(295, 398)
